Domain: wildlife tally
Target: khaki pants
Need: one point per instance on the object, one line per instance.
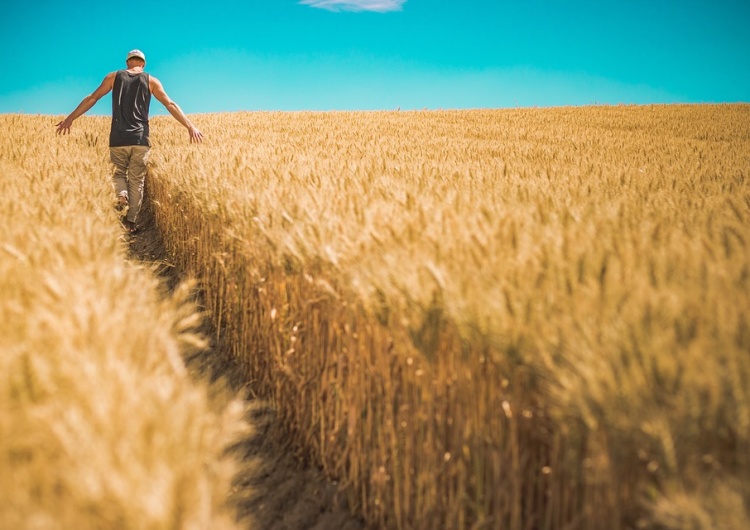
(130, 175)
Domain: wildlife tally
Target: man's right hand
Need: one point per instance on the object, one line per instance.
(64, 126)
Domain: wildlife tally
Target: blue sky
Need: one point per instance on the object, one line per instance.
(222, 56)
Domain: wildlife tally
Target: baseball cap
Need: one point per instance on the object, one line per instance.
(136, 53)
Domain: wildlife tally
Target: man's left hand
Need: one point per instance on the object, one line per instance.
(195, 135)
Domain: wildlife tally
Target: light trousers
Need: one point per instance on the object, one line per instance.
(130, 175)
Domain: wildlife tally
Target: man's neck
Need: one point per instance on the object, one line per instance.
(135, 69)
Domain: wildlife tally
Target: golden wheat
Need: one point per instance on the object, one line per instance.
(528, 318)
(532, 318)
(101, 426)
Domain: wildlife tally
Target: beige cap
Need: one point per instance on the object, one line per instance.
(136, 53)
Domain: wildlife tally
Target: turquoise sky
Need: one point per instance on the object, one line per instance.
(215, 56)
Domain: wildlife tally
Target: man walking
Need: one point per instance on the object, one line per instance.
(129, 143)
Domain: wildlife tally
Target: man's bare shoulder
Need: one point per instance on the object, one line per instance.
(106, 84)
(157, 89)
(109, 78)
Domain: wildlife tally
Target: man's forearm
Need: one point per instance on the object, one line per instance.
(176, 112)
(83, 107)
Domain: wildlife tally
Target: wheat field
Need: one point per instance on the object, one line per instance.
(522, 318)
(101, 425)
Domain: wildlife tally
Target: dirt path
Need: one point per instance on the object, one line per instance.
(275, 491)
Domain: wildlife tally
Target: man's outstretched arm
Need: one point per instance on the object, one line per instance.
(174, 109)
(89, 101)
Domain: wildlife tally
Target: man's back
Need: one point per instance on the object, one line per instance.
(131, 97)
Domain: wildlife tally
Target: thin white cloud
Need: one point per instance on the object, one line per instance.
(379, 6)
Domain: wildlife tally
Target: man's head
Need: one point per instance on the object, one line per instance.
(135, 58)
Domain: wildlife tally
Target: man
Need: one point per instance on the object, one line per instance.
(129, 143)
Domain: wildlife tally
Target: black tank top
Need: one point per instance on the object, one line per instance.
(130, 101)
